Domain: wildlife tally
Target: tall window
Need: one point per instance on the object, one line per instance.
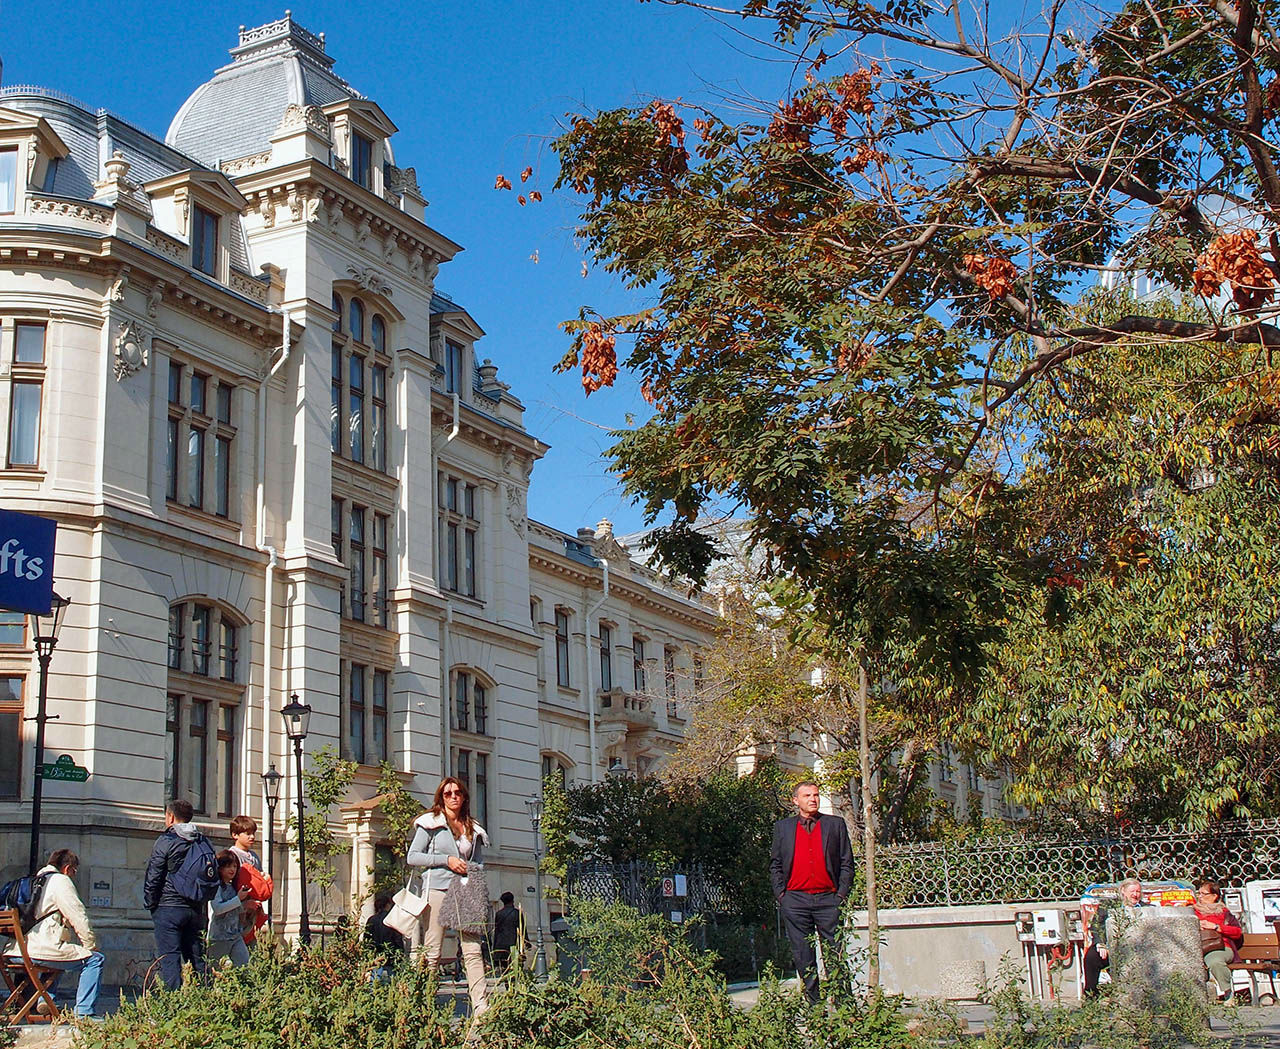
(381, 612)
(336, 302)
(472, 767)
(222, 454)
(11, 714)
(363, 712)
(201, 440)
(199, 745)
(201, 639)
(355, 722)
(8, 180)
(606, 657)
(226, 759)
(361, 160)
(177, 635)
(378, 726)
(355, 407)
(378, 416)
(356, 562)
(562, 647)
(452, 367)
(368, 578)
(637, 646)
(358, 419)
(204, 241)
(355, 320)
(26, 393)
(200, 756)
(470, 707)
(459, 527)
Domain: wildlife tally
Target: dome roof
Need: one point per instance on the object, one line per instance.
(235, 113)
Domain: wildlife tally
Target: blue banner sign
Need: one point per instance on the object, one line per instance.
(26, 562)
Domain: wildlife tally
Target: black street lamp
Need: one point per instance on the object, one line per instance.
(44, 633)
(297, 719)
(534, 805)
(271, 791)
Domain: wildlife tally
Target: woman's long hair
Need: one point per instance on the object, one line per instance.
(464, 813)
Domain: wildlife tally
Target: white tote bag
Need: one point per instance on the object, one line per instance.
(406, 908)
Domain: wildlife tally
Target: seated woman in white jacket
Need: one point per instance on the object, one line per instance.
(445, 840)
(61, 914)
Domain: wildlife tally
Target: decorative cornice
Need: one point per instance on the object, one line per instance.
(75, 209)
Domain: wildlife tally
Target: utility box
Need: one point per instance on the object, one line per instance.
(1024, 927)
(1050, 928)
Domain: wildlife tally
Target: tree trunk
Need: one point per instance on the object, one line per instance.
(868, 835)
(908, 772)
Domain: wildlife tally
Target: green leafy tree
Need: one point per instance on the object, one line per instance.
(327, 782)
(857, 304)
(398, 808)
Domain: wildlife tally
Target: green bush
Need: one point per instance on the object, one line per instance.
(286, 999)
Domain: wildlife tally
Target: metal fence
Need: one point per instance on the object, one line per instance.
(639, 884)
(1021, 869)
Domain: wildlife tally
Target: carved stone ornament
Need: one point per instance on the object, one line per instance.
(415, 266)
(154, 297)
(116, 292)
(515, 507)
(297, 117)
(133, 348)
(607, 547)
(388, 248)
(433, 267)
(363, 232)
(370, 280)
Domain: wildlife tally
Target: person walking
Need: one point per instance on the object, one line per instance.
(60, 913)
(508, 931)
(227, 914)
(446, 841)
(177, 916)
(811, 871)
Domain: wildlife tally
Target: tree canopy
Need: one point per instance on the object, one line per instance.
(874, 311)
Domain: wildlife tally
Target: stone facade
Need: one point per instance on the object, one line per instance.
(279, 466)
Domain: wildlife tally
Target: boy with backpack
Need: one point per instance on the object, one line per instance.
(50, 910)
(182, 877)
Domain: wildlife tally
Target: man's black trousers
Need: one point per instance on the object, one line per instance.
(1094, 963)
(803, 914)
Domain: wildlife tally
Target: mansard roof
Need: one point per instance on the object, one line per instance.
(234, 114)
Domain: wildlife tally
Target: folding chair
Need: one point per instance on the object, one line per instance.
(28, 982)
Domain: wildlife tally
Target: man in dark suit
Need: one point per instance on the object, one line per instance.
(811, 868)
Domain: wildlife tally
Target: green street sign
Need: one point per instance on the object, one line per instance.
(64, 768)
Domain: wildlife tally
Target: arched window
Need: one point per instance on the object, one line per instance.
(356, 320)
(378, 333)
(337, 308)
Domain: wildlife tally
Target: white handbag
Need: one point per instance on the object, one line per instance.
(408, 900)
(406, 909)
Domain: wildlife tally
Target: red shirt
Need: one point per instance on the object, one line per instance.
(809, 868)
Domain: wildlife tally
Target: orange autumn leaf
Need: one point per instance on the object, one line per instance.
(520, 200)
(502, 182)
(995, 275)
(535, 195)
(524, 175)
(1234, 258)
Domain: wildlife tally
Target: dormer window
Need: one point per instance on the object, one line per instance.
(8, 180)
(361, 160)
(204, 241)
(452, 367)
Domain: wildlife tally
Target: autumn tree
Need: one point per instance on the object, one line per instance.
(855, 300)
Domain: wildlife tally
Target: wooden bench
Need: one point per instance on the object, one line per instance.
(1259, 953)
(28, 981)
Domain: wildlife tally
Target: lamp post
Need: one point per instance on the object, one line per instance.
(534, 805)
(44, 634)
(297, 719)
(271, 792)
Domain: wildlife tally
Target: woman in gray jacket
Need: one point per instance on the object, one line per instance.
(445, 840)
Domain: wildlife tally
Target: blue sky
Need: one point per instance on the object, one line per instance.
(476, 89)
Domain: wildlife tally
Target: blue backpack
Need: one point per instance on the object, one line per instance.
(196, 877)
(23, 896)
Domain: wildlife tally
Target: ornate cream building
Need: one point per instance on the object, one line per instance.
(279, 465)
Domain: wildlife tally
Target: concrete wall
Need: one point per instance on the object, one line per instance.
(919, 944)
